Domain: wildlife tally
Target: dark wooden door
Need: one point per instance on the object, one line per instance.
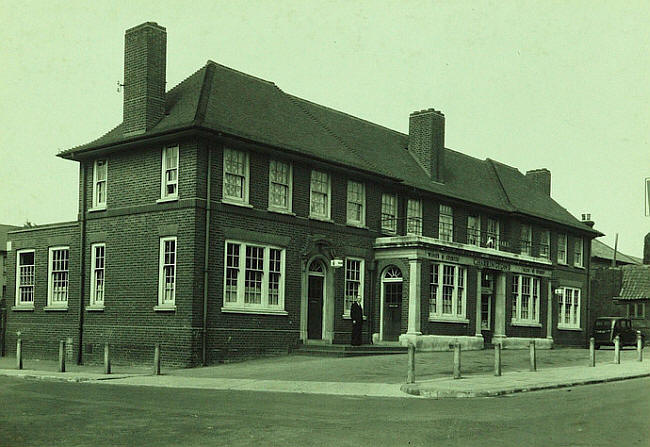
(315, 308)
(393, 310)
(487, 317)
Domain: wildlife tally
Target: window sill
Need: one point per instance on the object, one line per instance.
(581, 267)
(321, 219)
(23, 308)
(562, 263)
(95, 209)
(281, 211)
(388, 232)
(356, 225)
(441, 319)
(166, 308)
(167, 199)
(55, 308)
(235, 203)
(525, 323)
(569, 328)
(248, 310)
(95, 308)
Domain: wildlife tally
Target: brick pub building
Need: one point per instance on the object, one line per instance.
(227, 218)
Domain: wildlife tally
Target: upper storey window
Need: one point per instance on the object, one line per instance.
(356, 203)
(561, 248)
(389, 213)
(474, 230)
(235, 176)
(414, 217)
(526, 239)
(169, 187)
(320, 191)
(545, 244)
(100, 171)
(492, 233)
(280, 186)
(578, 259)
(446, 223)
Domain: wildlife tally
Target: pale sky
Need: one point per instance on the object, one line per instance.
(557, 84)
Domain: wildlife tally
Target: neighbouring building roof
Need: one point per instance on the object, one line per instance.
(603, 251)
(3, 235)
(220, 99)
(636, 283)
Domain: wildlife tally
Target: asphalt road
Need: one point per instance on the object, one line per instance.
(38, 413)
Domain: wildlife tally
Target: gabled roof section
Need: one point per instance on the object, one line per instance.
(603, 251)
(636, 283)
(220, 99)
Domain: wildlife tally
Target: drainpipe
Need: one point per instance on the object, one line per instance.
(208, 207)
(371, 304)
(82, 251)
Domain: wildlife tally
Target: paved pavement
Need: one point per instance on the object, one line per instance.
(379, 376)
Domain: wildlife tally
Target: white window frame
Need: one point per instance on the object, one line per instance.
(446, 220)
(562, 247)
(474, 232)
(492, 238)
(19, 302)
(162, 302)
(347, 300)
(360, 203)
(414, 217)
(240, 304)
(288, 186)
(94, 276)
(328, 196)
(636, 310)
(579, 252)
(96, 204)
(534, 284)
(436, 311)
(574, 311)
(164, 195)
(236, 200)
(526, 239)
(62, 304)
(388, 213)
(545, 242)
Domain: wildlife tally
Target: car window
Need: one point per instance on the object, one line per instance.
(603, 324)
(625, 324)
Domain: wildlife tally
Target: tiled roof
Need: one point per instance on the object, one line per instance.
(636, 283)
(221, 99)
(603, 251)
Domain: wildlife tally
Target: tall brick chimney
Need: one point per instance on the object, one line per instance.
(541, 178)
(646, 249)
(427, 141)
(145, 57)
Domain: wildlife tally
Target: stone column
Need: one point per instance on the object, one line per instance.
(478, 302)
(500, 305)
(415, 267)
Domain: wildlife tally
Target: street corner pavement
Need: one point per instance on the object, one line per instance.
(522, 381)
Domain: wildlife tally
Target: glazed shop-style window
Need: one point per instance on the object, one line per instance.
(389, 213)
(25, 278)
(319, 195)
(447, 299)
(280, 186)
(253, 277)
(58, 266)
(356, 203)
(167, 272)
(235, 176)
(569, 308)
(525, 299)
(100, 171)
(169, 186)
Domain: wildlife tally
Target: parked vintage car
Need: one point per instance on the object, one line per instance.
(606, 328)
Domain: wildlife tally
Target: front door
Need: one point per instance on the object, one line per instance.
(393, 310)
(315, 307)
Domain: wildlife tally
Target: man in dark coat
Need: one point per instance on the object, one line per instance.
(356, 314)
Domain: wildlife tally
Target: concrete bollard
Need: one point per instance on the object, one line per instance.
(19, 354)
(533, 356)
(410, 377)
(617, 350)
(639, 347)
(62, 356)
(592, 351)
(497, 359)
(457, 361)
(107, 359)
(156, 360)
